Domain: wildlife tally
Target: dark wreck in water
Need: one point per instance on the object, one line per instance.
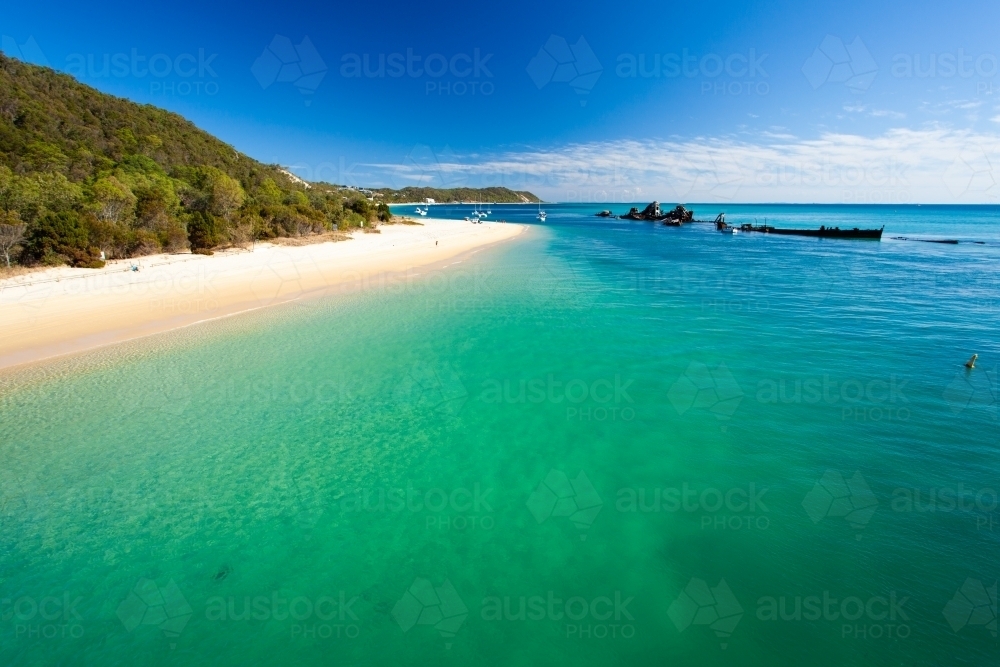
(652, 213)
(823, 232)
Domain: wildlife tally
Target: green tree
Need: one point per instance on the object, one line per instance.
(204, 232)
(298, 198)
(156, 202)
(227, 195)
(11, 233)
(44, 156)
(6, 188)
(268, 193)
(150, 144)
(20, 194)
(128, 141)
(56, 192)
(113, 201)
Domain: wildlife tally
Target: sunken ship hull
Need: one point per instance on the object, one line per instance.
(822, 232)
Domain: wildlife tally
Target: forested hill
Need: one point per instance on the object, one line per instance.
(82, 173)
(489, 195)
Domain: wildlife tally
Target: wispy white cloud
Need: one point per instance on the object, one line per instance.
(778, 135)
(887, 113)
(901, 165)
(877, 113)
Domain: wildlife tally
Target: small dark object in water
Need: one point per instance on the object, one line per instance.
(222, 573)
(948, 241)
(605, 214)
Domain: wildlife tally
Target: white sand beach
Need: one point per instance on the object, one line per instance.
(65, 310)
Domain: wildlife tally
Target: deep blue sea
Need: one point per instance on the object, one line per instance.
(605, 442)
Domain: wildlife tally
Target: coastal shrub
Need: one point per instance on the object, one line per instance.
(60, 238)
(383, 212)
(143, 242)
(205, 231)
(172, 236)
(350, 220)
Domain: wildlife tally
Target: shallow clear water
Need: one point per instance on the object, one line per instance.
(665, 441)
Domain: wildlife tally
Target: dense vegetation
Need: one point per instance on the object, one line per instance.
(489, 195)
(83, 173)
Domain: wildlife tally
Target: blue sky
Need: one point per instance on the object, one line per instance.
(727, 101)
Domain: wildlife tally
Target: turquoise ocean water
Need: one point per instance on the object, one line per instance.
(605, 442)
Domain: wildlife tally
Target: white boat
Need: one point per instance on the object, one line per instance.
(541, 213)
(731, 230)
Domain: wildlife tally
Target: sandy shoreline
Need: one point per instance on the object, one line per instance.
(63, 311)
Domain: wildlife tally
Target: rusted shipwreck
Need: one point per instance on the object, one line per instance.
(652, 213)
(823, 232)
